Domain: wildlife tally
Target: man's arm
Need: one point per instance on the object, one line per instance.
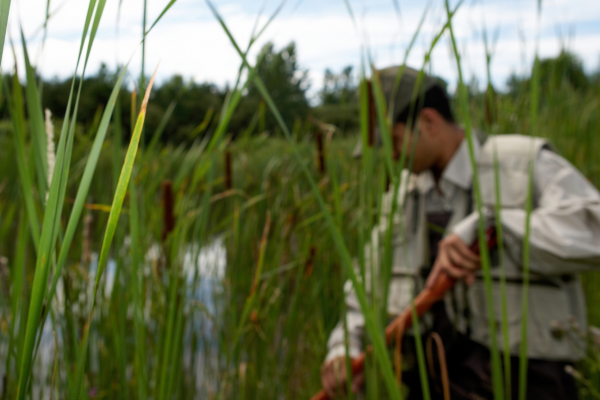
(565, 223)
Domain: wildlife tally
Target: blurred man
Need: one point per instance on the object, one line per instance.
(439, 225)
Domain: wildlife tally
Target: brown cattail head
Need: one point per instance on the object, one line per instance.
(228, 173)
(372, 114)
(320, 151)
(310, 262)
(168, 209)
(388, 182)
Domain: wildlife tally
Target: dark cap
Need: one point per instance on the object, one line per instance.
(406, 87)
(404, 92)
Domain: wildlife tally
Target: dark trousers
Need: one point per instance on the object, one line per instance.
(470, 373)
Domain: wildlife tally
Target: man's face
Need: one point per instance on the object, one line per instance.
(421, 153)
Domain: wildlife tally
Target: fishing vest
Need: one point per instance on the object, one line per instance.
(554, 302)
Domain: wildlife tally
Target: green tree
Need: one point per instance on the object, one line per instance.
(286, 83)
(564, 72)
(193, 102)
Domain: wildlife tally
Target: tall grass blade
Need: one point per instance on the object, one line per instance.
(535, 87)
(492, 129)
(497, 383)
(111, 226)
(136, 288)
(4, 10)
(172, 315)
(84, 186)
(36, 120)
(63, 167)
(143, 72)
(17, 295)
(535, 94)
(252, 295)
(162, 13)
(17, 113)
(45, 243)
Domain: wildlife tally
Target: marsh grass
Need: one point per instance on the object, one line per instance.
(147, 319)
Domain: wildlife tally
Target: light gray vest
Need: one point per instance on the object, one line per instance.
(553, 300)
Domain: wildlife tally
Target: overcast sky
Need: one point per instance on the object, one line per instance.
(190, 42)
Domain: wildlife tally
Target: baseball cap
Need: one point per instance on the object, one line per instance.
(403, 94)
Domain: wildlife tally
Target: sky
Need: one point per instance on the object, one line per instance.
(189, 40)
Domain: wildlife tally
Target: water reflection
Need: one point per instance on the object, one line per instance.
(204, 270)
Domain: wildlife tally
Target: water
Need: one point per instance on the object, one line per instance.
(205, 264)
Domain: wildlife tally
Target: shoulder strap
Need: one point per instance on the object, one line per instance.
(511, 146)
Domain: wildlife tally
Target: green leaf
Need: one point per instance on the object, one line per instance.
(84, 185)
(36, 120)
(111, 226)
(497, 383)
(4, 10)
(17, 114)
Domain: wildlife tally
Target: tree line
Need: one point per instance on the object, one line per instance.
(194, 107)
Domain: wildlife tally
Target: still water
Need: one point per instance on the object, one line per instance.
(206, 264)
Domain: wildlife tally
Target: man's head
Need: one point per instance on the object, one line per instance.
(428, 119)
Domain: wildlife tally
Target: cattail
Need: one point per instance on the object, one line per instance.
(308, 268)
(372, 114)
(50, 147)
(388, 181)
(490, 105)
(168, 205)
(320, 151)
(228, 173)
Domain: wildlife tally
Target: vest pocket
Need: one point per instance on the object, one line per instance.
(480, 331)
(549, 307)
(547, 304)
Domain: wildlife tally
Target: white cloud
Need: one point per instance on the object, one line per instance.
(189, 41)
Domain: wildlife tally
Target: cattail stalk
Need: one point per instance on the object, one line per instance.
(320, 151)
(310, 262)
(168, 206)
(228, 173)
(490, 105)
(372, 114)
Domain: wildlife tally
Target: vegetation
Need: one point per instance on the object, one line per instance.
(204, 255)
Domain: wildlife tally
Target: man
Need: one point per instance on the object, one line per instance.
(439, 225)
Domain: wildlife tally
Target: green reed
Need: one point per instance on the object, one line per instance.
(263, 336)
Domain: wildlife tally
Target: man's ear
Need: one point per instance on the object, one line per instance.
(429, 120)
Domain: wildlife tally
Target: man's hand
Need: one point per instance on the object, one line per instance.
(333, 378)
(455, 259)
